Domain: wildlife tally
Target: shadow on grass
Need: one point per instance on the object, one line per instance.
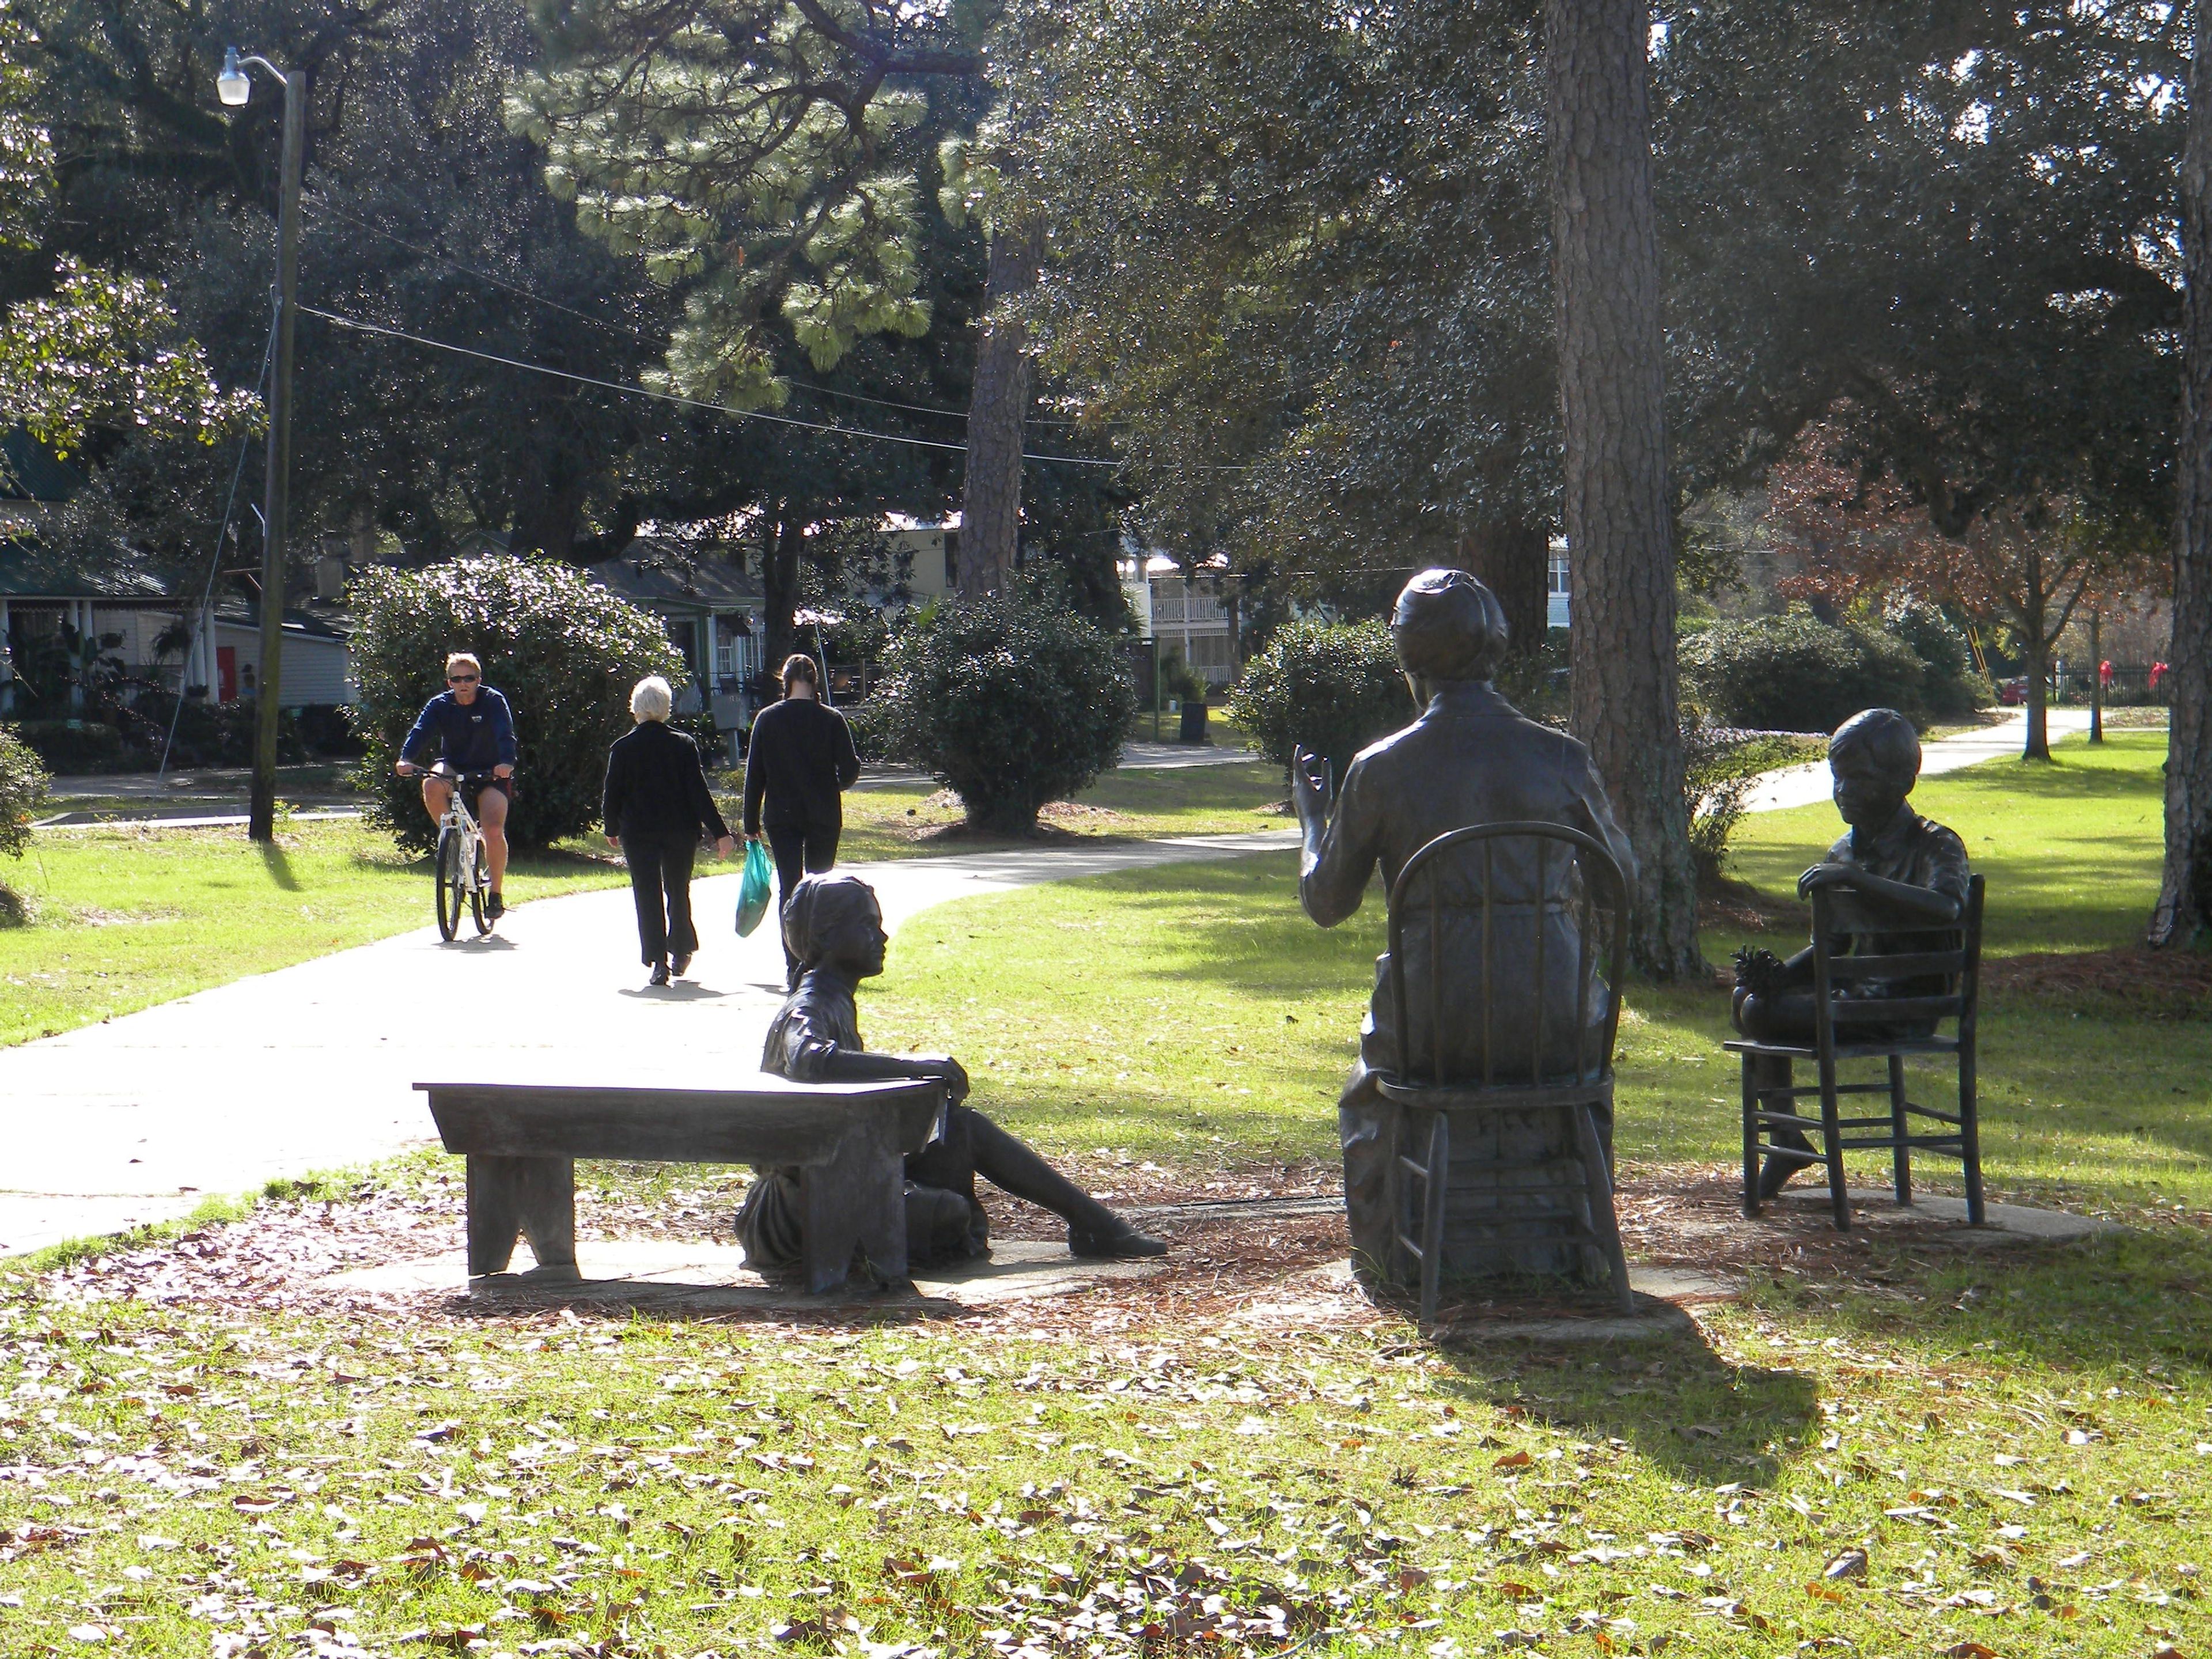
(279, 865)
(2140, 1300)
(1696, 1414)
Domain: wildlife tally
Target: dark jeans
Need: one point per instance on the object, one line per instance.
(800, 850)
(660, 883)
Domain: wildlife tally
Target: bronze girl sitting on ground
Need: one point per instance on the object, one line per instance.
(834, 928)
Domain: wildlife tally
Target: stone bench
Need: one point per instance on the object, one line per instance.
(849, 1142)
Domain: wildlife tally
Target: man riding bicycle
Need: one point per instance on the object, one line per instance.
(474, 730)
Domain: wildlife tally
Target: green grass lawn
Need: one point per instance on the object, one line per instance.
(1169, 1013)
(1972, 1454)
(916, 820)
(123, 918)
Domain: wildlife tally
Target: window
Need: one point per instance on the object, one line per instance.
(1556, 575)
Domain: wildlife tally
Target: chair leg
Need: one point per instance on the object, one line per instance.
(1900, 1157)
(1831, 1137)
(1970, 1135)
(1602, 1218)
(1751, 1080)
(1435, 1189)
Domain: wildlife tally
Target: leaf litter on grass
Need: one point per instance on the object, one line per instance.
(293, 1467)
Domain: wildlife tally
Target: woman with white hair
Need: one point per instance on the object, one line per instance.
(656, 808)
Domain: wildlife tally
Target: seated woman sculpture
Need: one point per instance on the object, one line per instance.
(834, 928)
(1905, 875)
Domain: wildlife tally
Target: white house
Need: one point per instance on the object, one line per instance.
(1191, 615)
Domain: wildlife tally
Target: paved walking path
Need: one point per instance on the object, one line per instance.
(312, 1068)
(1802, 785)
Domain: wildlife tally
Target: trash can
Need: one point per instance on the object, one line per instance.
(1193, 720)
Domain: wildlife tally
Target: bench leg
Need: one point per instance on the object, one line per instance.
(533, 1198)
(858, 1199)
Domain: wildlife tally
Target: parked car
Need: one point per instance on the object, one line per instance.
(2013, 693)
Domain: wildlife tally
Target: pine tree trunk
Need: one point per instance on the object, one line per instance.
(1514, 561)
(2184, 915)
(2038, 746)
(991, 493)
(786, 541)
(1612, 387)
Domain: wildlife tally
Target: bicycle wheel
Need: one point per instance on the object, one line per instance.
(450, 884)
(479, 884)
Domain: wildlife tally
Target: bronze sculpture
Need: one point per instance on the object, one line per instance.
(834, 928)
(1903, 873)
(1468, 758)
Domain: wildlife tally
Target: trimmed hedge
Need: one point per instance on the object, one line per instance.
(1010, 701)
(564, 652)
(1333, 687)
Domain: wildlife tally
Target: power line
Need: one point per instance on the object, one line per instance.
(630, 333)
(358, 325)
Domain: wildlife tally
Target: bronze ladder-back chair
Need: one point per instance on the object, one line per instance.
(1953, 951)
(1424, 1095)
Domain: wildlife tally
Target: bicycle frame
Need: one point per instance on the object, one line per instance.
(470, 881)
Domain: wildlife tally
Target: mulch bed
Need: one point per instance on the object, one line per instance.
(2152, 984)
(1252, 1267)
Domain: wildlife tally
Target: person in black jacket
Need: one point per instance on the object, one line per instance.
(800, 761)
(656, 805)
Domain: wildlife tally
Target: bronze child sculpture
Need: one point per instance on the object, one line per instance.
(834, 929)
(1468, 758)
(1903, 871)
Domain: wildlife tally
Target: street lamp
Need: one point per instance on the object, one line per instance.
(235, 87)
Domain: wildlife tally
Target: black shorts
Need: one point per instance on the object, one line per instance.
(505, 785)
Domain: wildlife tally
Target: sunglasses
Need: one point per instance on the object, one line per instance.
(460, 679)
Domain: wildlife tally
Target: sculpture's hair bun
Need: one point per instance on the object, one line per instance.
(819, 906)
(1449, 627)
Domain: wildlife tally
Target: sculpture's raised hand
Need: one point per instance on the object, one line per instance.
(1309, 787)
(1829, 874)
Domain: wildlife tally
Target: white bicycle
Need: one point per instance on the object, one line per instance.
(463, 864)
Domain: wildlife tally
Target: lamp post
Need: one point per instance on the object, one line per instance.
(235, 87)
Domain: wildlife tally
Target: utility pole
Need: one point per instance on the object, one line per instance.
(235, 86)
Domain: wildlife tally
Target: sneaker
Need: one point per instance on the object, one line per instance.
(495, 907)
(1120, 1245)
(681, 965)
(660, 974)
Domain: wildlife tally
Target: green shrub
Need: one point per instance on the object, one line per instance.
(1333, 688)
(1952, 687)
(1796, 673)
(77, 745)
(1010, 701)
(564, 652)
(22, 791)
(206, 734)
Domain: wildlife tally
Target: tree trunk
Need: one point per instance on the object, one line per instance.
(784, 542)
(2035, 603)
(551, 508)
(1611, 394)
(991, 493)
(1514, 561)
(2184, 915)
(2096, 676)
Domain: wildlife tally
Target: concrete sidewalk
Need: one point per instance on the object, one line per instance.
(1804, 785)
(312, 1067)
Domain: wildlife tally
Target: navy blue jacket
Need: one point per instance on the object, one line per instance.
(471, 739)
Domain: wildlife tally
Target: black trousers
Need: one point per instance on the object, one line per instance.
(660, 883)
(800, 850)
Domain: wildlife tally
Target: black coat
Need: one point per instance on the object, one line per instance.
(656, 788)
(800, 757)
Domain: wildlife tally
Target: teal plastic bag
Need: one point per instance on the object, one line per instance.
(753, 896)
